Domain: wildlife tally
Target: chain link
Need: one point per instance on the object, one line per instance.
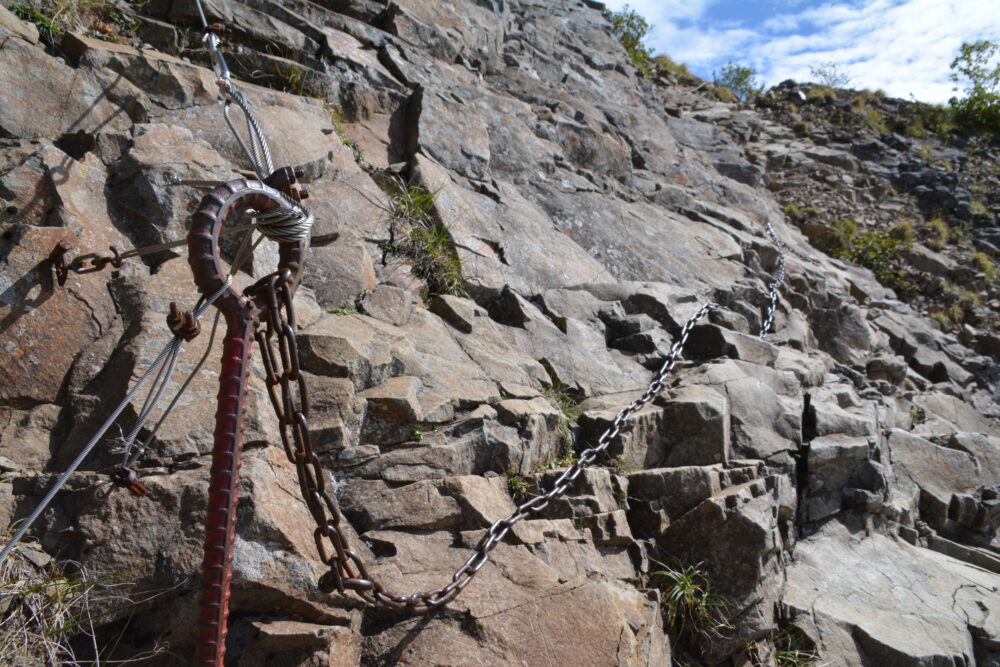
(778, 279)
(287, 391)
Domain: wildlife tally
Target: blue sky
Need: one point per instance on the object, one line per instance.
(901, 46)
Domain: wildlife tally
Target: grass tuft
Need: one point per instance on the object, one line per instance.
(787, 648)
(47, 611)
(520, 488)
(690, 605)
(983, 263)
(416, 234)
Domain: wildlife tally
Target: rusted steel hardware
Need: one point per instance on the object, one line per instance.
(285, 179)
(241, 314)
(126, 477)
(96, 261)
(60, 262)
(183, 323)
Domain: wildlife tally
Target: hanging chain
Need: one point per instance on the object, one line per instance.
(287, 391)
(779, 278)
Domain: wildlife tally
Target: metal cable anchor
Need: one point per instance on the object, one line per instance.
(126, 477)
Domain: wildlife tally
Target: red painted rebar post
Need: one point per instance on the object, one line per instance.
(220, 522)
(240, 313)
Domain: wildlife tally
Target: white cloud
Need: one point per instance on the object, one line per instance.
(901, 46)
(655, 10)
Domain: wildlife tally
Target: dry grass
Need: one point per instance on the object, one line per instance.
(48, 612)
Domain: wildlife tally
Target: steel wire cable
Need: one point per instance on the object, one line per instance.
(167, 350)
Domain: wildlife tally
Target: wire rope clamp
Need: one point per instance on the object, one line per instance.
(182, 324)
(284, 179)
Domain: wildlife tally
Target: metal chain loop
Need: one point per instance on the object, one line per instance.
(287, 392)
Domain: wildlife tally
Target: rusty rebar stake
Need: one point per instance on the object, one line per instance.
(242, 316)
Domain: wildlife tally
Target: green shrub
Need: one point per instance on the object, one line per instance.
(819, 93)
(877, 250)
(839, 237)
(872, 119)
(556, 461)
(965, 298)
(830, 75)
(435, 261)
(412, 203)
(943, 320)
(44, 21)
(294, 79)
(741, 81)
(800, 215)
(631, 29)
(560, 396)
(101, 18)
(924, 119)
(903, 232)
(520, 488)
(665, 63)
(978, 67)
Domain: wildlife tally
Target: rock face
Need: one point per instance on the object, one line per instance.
(836, 485)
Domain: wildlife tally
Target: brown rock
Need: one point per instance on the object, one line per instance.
(46, 98)
(709, 341)
(32, 435)
(395, 400)
(43, 328)
(371, 505)
(340, 273)
(11, 26)
(739, 520)
(459, 313)
(389, 304)
(297, 643)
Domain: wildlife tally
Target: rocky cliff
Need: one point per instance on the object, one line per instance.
(512, 227)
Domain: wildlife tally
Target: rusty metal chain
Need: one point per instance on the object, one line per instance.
(287, 391)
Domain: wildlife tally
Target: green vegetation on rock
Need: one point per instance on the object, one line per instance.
(874, 249)
(830, 75)
(631, 29)
(690, 606)
(97, 18)
(740, 80)
(416, 234)
(977, 66)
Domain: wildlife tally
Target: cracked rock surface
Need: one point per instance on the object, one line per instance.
(838, 483)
